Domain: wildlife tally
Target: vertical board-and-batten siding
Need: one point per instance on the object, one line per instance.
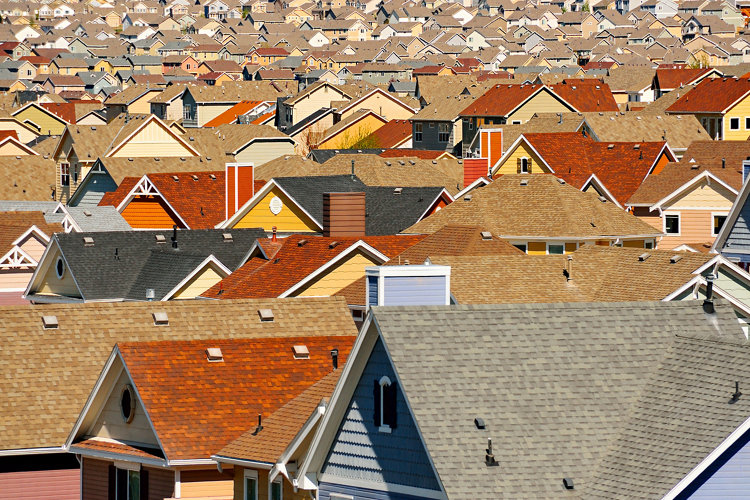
(361, 452)
(414, 290)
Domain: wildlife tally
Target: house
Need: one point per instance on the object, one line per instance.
(720, 104)
(126, 265)
(202, 104)
(563, 218)
(67, 390)
(393, 392)
(394, 134)
(312, 99)
(167, 105)
(133, 100)
(40, 119)
(351, 131)
(298, 205)
(439, 125)
(668, 79)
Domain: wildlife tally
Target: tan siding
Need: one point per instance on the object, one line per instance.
(95, 479)
(206, 112)
(48, 125)
(262, 152)
(51, 284)
(704, 196)
(206, 483)
(201, 282)
(10, 149)
(695, 227)
(15, 279)
(110, 423)
(34, 247)
(383, 106)
(141, 105)
(543, 102)
(153, 141)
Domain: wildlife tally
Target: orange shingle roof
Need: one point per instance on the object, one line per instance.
(392, 133)
(197, 406)
(586, 95)
(500, 100)
(230, 115)
(711, 96)
(672, 78)
(293, 262)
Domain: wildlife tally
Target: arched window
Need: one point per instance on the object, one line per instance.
(384, 398)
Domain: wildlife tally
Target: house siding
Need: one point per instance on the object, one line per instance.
(739, 236)
(543, 102)
(263, 151)
(48, 125)
(431, 136)
(290, 219)
(149, 212)
(15, 279)
(153, 141)
(414, 290)
(325, 490)
(360, 452)
(741, 111)
(206, 483)
(510, 165)
(95, 479)
(91, 193)
(52, 285)
(372, 290)
(41, 484)
(344, 274)
(201, 282)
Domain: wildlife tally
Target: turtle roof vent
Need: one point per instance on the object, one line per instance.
(265, 315)
(49, 322)
(301, 352)
(214, 355)
(160, 318)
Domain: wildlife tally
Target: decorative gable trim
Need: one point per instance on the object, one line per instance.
(16, 258)
(144, 187)
(705, 175)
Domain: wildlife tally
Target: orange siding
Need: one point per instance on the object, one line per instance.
(95, 479)
(695, 227)
(660, 164)
(149, 212)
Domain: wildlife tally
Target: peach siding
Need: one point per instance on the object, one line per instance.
(149, 213)
(95, 481)
(34, 247)
(206, 483)
(695, 227)
(41, 485)
(15, 279)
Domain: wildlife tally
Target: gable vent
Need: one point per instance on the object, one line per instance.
(265, 315)
(301, 352)
(214, 355)
(88, 241)
(49, 322)
(160, 318)
(160, 238)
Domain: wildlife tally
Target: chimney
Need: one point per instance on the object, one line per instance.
(491, 145)
(240, 186)
(344, 214)
(420, 285)
(273, 236)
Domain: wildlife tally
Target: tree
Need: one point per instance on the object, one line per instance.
(361, 139)
(586, 7)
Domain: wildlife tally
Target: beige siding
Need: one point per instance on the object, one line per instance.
(110, 423)
(141, 105)
(24, 134)
(695, 227)
(15, 279)
(543, 102)
(206, 112)
(153, 141)
(201, 282)
(50, 284)
(10, 149)
(261, 152)
(343, 274)
(704, 196)
(320, 98)
(34, 247)
(385, 107)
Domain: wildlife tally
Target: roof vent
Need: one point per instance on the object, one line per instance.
(397, 190)
(334, 244)
(176, 178)
(486, 235)
(637, 146)
(479, 422)
(191, 139)
(568, 483)
(194, 177)
(694, 166)
(156, 158)
(642, 257)
(212, 176)
(610, 146)
(412, 162)
(160, 318)
(467, 197)
(88, 241)
(301, 352)
(227, 237)
(561, 181)
(265, 315)
(130, 159)
(49, 322)
(214, 355)
(675, 259)
(524, 182)
(301, 243)
(603, 199)
(160, 238)
(87, 213)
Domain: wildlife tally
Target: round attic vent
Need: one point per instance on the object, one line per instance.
(127, 404)
(60, 268)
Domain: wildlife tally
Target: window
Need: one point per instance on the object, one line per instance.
(747, 123)
(60, 267)
(418, 132)
(128, 484)
(649, 245)
(719, 221)
(555, 249)
(734, 124)
(277, 491)
(443, 132)
(384, 396)
(523, 166)
(672, 224)
(251, 485)
(65, 174)
(520, 246)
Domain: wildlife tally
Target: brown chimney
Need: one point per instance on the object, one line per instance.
(240, 186)
(343, 214)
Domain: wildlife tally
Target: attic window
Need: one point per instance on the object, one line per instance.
(49, 322)
(127, 404)
(265, 315)
(214, 355)
(160, 318)
(160, 238)
(88, 241)
(227, 237)
(301, 352)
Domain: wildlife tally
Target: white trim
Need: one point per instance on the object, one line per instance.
(145, 187)
(17, 258)
(484, 181)
(671, 213)
(32, 451)
(382, 272)
(241, 462)
(151, 118)
(724, 214)
(119, 457)
(358, 245)
(386, 487)
(494, 168)
(32, 230)
(594, 181)
(705, 175)
(19, 144)
(436, 201)
(249, 474)
(207, 261)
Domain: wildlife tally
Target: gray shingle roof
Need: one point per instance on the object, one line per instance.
(142, 263)
(600, 393)
(386, 212)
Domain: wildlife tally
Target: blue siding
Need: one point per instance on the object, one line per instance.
(739, 236)
(325, 490)
(728, 477)
(361, 452)
(414, 291)
(372, 290)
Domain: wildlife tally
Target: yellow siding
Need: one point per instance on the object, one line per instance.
(52, 285)
(704, 196)
(206, 112)
(153, 141)
(536, 248)
(261, 152)
(383, 106)
(543, 102)
(741, 111)
(198, 284)
(351, 134)
(110, 423)
(290, 219)
(48, 125)
(510, 165)
(342, 275)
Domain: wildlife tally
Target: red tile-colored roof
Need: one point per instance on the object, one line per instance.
(230, 115)
(271, 51)
(64, 110)
(429, 70)
(586, 95)
(293, 262)
(424, 154)
(197, 406)
(500, 100)
(712, 95)
(620, 166)
(392, 133)
(36, 60)
(8, 133)
(119, 448)
(673, 78)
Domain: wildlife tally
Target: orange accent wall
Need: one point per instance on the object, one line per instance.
(149, 212)
(660, 164)
(441, 203)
